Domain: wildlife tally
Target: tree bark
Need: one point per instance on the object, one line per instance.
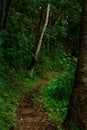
(41, 37)
(77, 113)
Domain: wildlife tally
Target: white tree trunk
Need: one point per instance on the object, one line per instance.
(41, 37)
(43, 31)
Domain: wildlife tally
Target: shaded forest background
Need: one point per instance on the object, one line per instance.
(21, 24)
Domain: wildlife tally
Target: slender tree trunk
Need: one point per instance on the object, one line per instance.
(5, 11)
(42, 15)
(41, 37)
(77, 113)
(10, 6)
(48, 42)
(8, 12)
(2, 13)
(43, 31)
(41, 21)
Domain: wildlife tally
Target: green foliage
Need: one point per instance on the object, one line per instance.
(12, 86)
(55, 96)
(61, 61)
(18, 44)
(43, 65)
(73, 126)
(1, 56)
(25, 24)
(56, 60)
(7, 105)
(74, 19)
(62, 87)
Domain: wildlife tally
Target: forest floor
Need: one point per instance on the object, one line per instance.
(31, 114)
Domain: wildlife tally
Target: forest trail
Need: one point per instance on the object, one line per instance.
(31, 114)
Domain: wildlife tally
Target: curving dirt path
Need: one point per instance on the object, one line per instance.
(31, 114)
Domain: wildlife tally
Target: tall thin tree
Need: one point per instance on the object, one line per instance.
(41, 37)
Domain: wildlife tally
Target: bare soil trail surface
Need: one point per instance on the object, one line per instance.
(31, 114)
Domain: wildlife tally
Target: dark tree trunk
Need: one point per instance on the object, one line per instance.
(2, 14)
(6, 9)
(8, 12)
(77, 113)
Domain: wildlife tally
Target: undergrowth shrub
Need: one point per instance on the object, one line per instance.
(43, 65)
(62, 87)
(17, 42)
(73, 126)
(55, 96)
(12, 86)
(7, 105)
(1, 56)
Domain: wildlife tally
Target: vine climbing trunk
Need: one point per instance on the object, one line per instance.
(41, 37)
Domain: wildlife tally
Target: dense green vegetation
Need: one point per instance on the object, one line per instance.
(19, 37)
(12, 86)
(55, 96)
